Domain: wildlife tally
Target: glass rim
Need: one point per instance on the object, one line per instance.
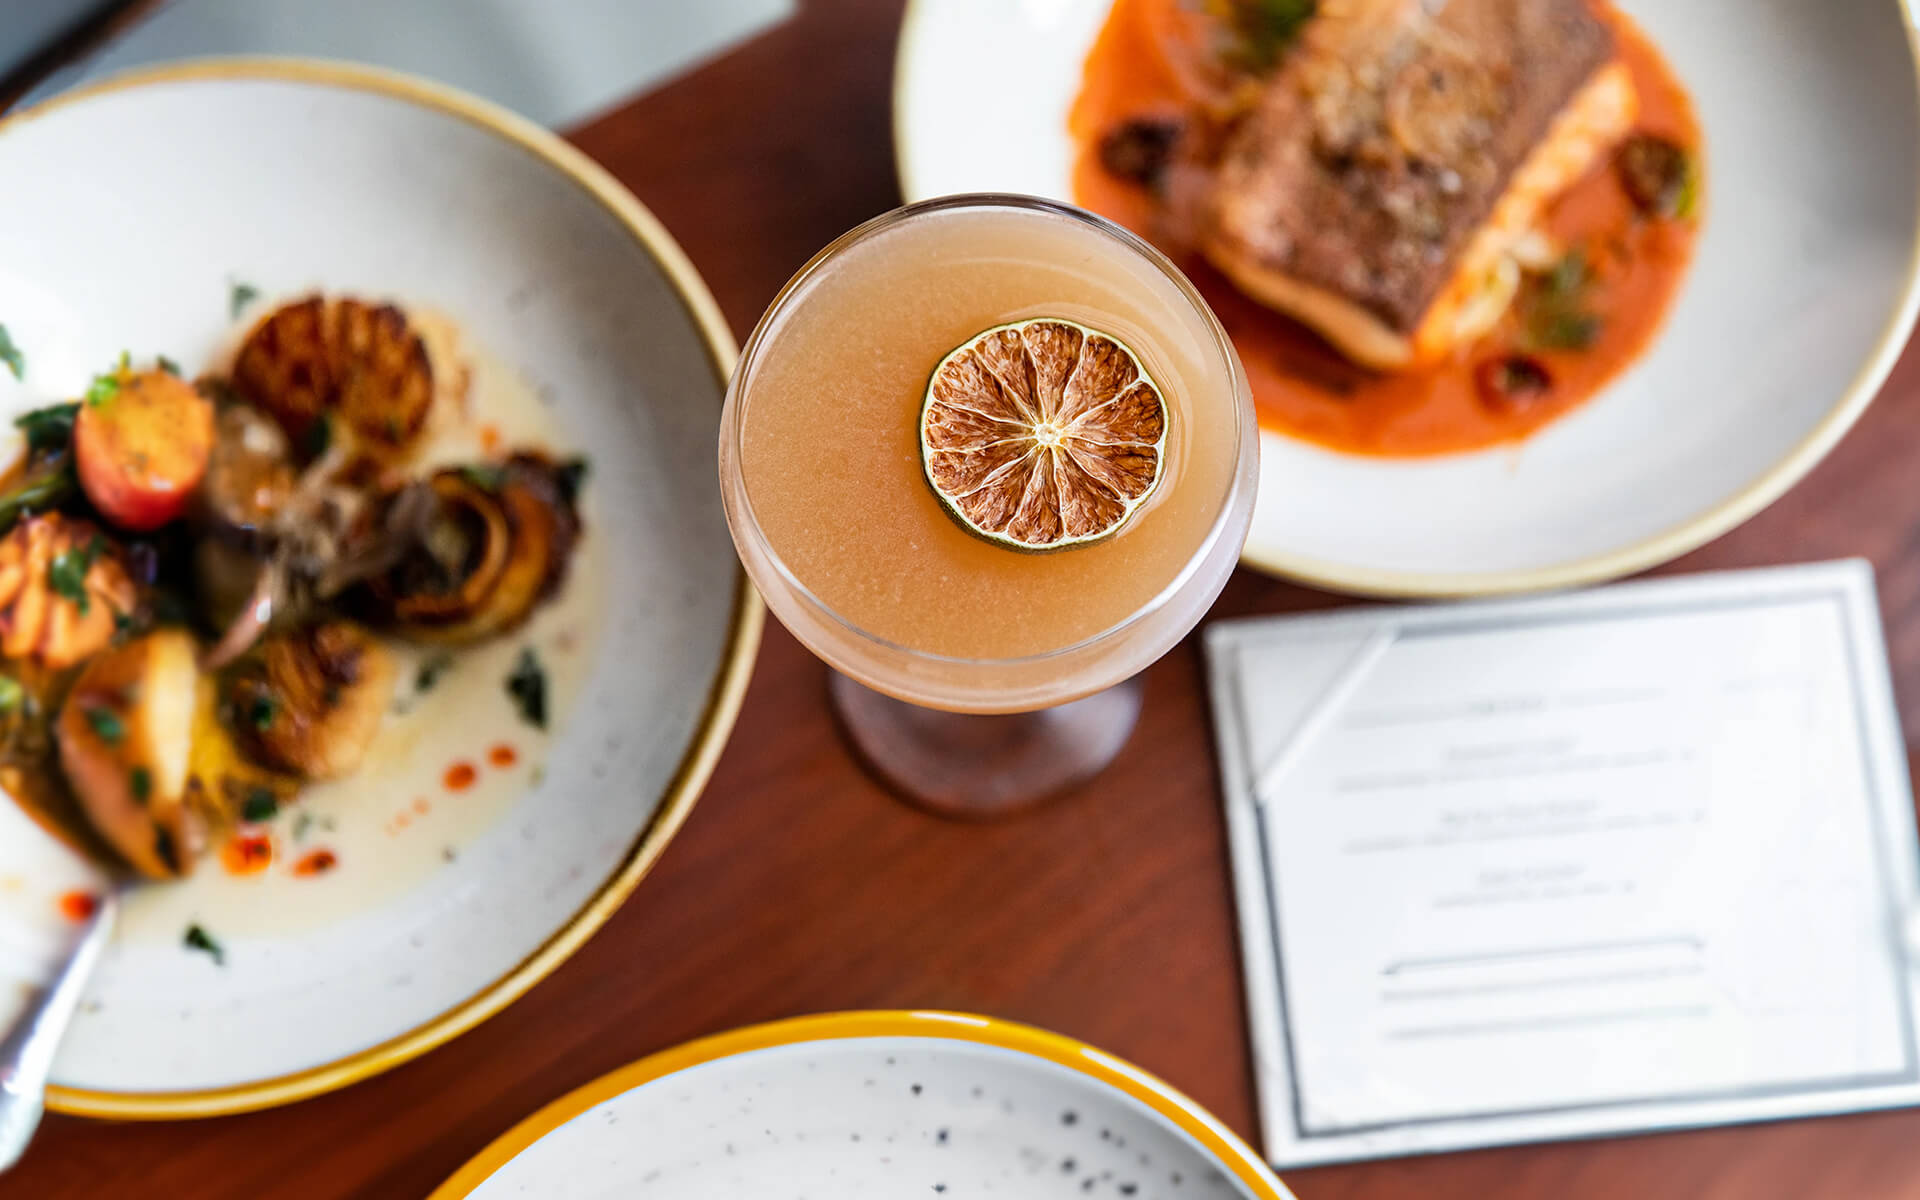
(756, 341)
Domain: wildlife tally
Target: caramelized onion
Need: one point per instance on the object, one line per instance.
(496, 545)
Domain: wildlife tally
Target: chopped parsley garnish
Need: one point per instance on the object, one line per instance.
(1554, 308)
(302, 824)
(430, 672)
(261, 805)
(67, 573)
(241, 295)
(49, 428)
(261, 712)
(141, 781)
(1567, 276)
(11, 694)
(572, 474)
(10, 354)
(1261, 29)
(199, 939)
(1565, 330)
(102, 389)
(318, 437)
(168, 365)
(106, 723)
(486, 476)
(528, 687)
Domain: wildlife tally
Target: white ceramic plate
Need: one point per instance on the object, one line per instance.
(131, 210)
(1800, 296)
(865, 1106)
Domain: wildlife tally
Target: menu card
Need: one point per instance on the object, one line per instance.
(1629, 859)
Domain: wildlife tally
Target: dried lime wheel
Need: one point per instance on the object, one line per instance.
(1043, 434)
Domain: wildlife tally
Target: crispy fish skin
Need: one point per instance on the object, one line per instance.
(1397, 154)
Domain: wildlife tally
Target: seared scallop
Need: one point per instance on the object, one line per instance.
(125, 735)
(310, 700)
(360, 367)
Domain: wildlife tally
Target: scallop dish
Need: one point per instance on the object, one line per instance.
(223, 594)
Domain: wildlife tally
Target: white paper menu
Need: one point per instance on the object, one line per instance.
(1635, 858)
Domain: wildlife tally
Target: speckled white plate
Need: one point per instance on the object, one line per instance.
(1800, 296)
(129, 212)
(863, 1106)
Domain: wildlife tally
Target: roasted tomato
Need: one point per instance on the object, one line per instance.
(141, 442)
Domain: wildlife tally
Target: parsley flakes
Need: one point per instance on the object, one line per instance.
(528, 687)
(107, 724)
(10, 354)
(241, 295)
(67, 573)
(199, 939)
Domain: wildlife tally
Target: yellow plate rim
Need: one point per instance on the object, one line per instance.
(723, 698)
(1158, 1095)
(1650, 551)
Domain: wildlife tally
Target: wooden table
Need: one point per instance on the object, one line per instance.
(798, 886)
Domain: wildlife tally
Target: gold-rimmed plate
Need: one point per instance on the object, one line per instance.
(865, 1105)
(140, 214)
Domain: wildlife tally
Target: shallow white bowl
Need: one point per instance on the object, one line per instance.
(130, 209)
(866, 1106)
(1800, 297)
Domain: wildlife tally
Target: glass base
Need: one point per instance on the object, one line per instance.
(971, 767)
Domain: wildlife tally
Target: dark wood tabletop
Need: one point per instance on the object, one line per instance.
(798, 886)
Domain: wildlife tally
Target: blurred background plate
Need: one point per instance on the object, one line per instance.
(132, 209)
(871, 1105)
(1800, 296)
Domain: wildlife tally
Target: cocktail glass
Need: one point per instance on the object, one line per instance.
(973, 678)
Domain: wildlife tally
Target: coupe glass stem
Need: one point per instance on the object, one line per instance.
(974, 767)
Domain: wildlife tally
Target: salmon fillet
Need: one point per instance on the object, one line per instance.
(1394, 166)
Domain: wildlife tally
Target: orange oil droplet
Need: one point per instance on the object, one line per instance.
(78, 906)
(460, 776)
(503, 755)
(316, 862)
(247, 854)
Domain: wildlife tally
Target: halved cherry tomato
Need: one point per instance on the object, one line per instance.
(141, 443)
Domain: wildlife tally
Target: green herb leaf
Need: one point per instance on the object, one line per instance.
(1564, 329)
(199, 939)
(241, 295)
(141, 781)
(107, 724)
(430, 671)
(261, 805)
(261, 712)
(10, 354)
(1568, 276)
(102, 389)
(318, 437)
(486, 476)
(67, 573)
(572, 474)
(49, 428)
(46, 486)
(528, 687)
(1261, 30)
(168, 365)
(11, 695)
(302, 824)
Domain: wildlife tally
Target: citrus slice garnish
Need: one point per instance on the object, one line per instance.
(1042, 434)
